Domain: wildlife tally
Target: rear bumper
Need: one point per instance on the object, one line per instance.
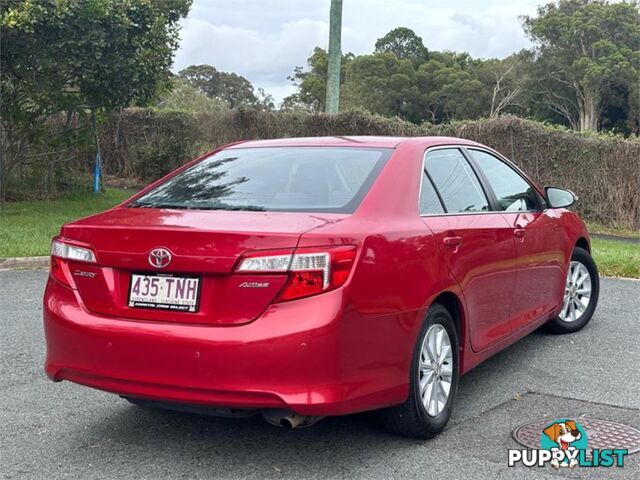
(296, 355)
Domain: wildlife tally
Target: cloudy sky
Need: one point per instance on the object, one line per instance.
(264, 39)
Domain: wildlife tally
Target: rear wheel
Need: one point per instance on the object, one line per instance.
(433, 380)
(581, 292)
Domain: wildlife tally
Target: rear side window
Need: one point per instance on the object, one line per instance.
(455, 181)
(290, 179)
(513, 192)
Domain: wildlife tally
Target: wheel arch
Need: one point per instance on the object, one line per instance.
(453, 304)
(583, 243)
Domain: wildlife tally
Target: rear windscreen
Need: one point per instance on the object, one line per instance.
(290, 179)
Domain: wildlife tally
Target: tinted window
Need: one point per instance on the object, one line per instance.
(513, 192)
(429, 201)
(456, 182)
(273, 179)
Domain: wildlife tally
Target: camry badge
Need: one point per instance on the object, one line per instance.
(159, 257)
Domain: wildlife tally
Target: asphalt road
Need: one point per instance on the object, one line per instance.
(63, 430)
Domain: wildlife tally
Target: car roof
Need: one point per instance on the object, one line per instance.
(353, 141)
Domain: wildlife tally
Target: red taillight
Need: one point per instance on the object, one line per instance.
(312, 270)
(60, 271)
(301, 284)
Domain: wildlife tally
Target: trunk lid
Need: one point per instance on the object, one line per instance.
(202, 244)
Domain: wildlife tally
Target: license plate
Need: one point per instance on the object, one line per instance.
(164, 292)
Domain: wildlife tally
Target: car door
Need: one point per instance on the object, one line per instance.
(475, 244)
(538, 239)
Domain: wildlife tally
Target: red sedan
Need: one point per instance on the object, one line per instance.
(302, 278)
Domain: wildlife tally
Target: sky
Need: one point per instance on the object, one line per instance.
(264, 40)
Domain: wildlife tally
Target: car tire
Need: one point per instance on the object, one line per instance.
(566, 322)
(412, 418)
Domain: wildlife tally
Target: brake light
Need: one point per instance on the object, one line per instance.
(312, 270)
(60, 253)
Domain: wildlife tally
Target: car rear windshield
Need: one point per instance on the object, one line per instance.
(290, 179)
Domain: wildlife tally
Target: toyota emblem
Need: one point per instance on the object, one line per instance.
(159, 257)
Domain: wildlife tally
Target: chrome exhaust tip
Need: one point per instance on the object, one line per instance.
(281, 417)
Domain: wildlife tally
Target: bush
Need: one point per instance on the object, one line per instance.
(603, 170)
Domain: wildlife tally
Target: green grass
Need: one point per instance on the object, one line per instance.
(619, 231)
(616, 259)
(26, 228)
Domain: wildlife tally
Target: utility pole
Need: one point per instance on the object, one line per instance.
(97, 168)
(335, 57)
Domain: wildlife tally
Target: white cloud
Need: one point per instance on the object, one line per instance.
(264, 40)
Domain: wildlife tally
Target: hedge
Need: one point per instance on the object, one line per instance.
(144, 144)
(603, 170)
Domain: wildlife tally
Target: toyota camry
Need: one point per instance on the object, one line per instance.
(302, 278)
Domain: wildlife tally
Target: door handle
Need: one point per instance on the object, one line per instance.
(452, 241)
(520, 232)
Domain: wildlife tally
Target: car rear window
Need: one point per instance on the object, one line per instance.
(290, 179)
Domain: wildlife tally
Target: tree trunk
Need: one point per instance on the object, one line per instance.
(589, 110)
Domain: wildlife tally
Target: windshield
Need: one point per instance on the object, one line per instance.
(290, 179)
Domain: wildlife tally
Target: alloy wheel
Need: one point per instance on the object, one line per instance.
(577, 293)
(435, 372)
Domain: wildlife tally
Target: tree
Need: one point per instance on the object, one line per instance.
(404, 44)
(265, 101)
(449, 92)
(383, 84)
(312, 82)
(504, 80)
(107, 53)
(583, 46)
(233, 89)
(65, 56)
(184, 96)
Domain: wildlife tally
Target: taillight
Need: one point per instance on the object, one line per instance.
(72, 252)
(60, 253)
(312, 270)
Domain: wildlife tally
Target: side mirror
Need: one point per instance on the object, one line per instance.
(560, 197)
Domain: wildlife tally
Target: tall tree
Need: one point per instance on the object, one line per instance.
(503, 80)
(383, 84)
(584, 45)
(233, 89)
(449, 92)
(404, 44)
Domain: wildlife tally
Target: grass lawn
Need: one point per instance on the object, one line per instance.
(26, 228)
(616, 259)
(621, 232)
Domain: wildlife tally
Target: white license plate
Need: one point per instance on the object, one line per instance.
(180, 294)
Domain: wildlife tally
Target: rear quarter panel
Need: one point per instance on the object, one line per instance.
(396, 277)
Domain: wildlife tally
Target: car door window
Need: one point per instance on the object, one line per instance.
(514, 193)
(429, 201)
(455, 181)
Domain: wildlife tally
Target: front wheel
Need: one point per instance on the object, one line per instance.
(433, 380)
(581, 292)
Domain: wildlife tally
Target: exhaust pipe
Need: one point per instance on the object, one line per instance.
(286, 418)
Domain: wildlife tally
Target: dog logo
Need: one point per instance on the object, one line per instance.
(159, 257)
(564, 438)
